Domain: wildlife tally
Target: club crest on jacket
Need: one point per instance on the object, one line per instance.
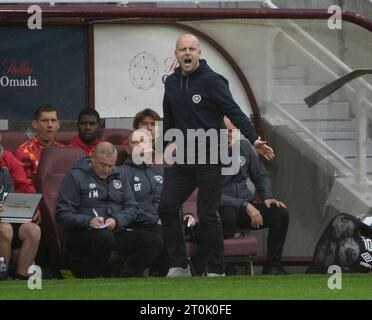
(117, 184)
(196, 98)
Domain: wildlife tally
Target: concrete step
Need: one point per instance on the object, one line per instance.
(352, 161)
(347, 148)
(329, 125)
(256, 58)
(289, 73)
(332, 135)
(295, 94)
(335, 110)
(256, 72)
(288, 81)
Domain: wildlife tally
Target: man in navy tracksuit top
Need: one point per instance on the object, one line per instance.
(240, 209)
(95, 206)
(197, 98)
(146, 182)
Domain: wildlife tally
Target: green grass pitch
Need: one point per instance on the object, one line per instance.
(354, 286)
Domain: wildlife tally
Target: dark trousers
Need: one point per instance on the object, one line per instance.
(161, 264)
(140, 248)
(92, 250)
(180, 182)
(275, 218)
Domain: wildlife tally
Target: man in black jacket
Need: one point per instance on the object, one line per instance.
(197, 98)
(94, 209)
(241, 209)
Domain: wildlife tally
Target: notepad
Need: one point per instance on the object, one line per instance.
(20, 207)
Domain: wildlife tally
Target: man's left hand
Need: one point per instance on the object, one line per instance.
(111, 223)
(269, 202)
(264, 149)
(37, 216)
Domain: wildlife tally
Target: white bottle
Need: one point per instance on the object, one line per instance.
(3, 268)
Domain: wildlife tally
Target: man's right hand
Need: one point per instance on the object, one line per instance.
(255, 215)
(95, 222)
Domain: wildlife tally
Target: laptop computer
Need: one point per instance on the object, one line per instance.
(19, 207)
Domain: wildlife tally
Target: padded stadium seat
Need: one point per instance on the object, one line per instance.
(64, 137)
(241, 250)
(54, 163)
(122, 154)
(116, 136)
(12, 139)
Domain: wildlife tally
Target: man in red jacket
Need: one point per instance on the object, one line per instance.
(18, 175)
(23, 237)
(8, 160)
(46, 125)
(89, 131)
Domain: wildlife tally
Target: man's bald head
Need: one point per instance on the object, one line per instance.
(187, 53)
(105, 148)
(188, 37)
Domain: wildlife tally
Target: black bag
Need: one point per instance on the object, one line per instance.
(345, 242)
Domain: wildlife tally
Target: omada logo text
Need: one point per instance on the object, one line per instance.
(17, 74)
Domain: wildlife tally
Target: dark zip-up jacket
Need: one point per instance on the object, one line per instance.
(235, 191)
(147, 184)
(201, 100)
(82, 190)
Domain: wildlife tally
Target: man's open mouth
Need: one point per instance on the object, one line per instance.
(187, 61)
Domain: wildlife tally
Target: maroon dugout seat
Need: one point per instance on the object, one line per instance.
(12, 139)
(241, 250)
(64, 137)
(54, 163)
(123, 153)
(116, 136)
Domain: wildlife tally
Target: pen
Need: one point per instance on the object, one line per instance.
(95, 212)
(102, 225)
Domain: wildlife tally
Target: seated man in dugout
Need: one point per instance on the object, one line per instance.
(23, 237)
(146, 119)
(89, 130)
(95, 209)
(46, 125)
(16, 171)
(239, 209)
(18, 175)
(146, 181)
